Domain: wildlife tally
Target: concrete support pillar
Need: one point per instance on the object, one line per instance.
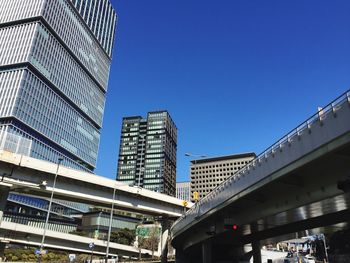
(207, 256)
(4, 192)
(181, 257)
(2, 250)
(238, 255)
(256, 248)
(256, 252)
(164, 242)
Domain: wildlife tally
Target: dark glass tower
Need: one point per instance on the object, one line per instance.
(147, 154)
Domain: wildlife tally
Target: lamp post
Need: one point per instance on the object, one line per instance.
(60, 159)
(196, 194)
(110, 224)
(97, 232)
(325, 246)
(196, 156)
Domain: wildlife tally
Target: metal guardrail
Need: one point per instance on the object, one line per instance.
(57, 227)
(287, 139)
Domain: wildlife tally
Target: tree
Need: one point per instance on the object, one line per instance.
(123, 236)
(141, 241)
(152, 240)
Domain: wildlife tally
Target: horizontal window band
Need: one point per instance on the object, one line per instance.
(42, 20)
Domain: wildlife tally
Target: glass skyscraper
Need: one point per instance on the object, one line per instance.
(55, 57)
(147, 153)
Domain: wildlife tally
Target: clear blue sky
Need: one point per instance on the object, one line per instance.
(235, 75)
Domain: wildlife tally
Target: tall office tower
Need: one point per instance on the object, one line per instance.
(55, 57)
(183, 191)
(208, 173)
(147, 154)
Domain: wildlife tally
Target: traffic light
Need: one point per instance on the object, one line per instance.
(231, 227)
(196, 196)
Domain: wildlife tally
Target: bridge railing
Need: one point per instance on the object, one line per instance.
(40, 223)
(286, 140)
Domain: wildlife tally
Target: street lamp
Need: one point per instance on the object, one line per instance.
(196, 194)
(97, 232)
(110, 224)
(196, 156)
(60, 159)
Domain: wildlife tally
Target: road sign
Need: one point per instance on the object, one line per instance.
(185, 203)
(39, 251)
(72, 257)
(92, 245)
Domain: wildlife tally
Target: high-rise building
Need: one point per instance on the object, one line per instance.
(208, 173)
(183, 191)
(55, 57)
(147, 153)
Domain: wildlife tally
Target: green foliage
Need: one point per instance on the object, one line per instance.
(28, 255)
(123, 236)
(151, 241)
(51, 255)
(31, 257)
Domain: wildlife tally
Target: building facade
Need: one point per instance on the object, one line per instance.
(96, 224)
(183, 191)
(208, 173)
(147, 153)
(55, 57)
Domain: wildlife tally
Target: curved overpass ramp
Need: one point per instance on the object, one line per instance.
(296, 184)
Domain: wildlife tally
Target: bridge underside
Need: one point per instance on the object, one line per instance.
(303, 196)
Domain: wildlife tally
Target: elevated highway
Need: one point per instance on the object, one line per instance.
(298, 183)
(23, 174)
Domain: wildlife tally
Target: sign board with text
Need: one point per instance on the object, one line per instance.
(72, 257)
(92, 245)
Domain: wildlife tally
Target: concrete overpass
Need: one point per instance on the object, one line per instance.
(23, 174)
(298, 183)
(31, 236)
